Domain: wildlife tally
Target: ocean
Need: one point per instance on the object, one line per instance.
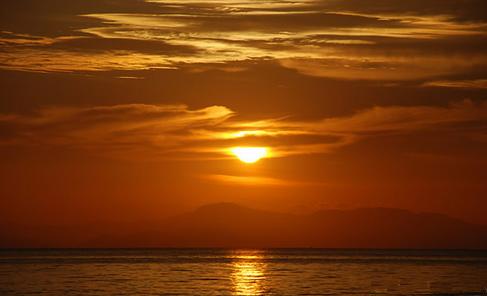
(242, 272)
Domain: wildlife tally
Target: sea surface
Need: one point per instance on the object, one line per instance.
(242, 272)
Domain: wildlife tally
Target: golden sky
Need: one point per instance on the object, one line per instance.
(126, 112)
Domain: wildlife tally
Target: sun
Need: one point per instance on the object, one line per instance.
(249, 154)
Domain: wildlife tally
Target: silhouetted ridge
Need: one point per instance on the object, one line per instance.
(231, 225)
(223, 207)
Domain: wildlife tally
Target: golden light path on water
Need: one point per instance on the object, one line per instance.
(248, 274)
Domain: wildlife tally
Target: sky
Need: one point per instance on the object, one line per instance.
(115, 114)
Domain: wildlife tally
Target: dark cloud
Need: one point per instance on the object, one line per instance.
(463, 10)
(290, 22)
(59, 18)
(120, 44)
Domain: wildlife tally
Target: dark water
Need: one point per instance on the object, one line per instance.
(242, 272)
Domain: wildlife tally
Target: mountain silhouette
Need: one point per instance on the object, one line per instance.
(233, 226)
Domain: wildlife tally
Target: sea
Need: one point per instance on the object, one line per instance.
(242, 272)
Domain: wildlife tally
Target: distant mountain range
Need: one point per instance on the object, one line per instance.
(233, 226)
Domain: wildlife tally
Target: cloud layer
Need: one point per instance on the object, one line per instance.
(335, 39)
(162, 131)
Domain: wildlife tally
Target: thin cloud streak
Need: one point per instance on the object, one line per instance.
(260, 181)
(251, 180)
(469, 84)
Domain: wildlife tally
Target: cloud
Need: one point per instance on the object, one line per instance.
(259, 181)
(383, 68)
(246, 180)
(141, 131)
(329, 44)
(336, 39)
(473, 84)
(123, 130)
(400, 119)
(467, 10)
(41, 60)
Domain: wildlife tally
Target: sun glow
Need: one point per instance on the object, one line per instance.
(249, 154)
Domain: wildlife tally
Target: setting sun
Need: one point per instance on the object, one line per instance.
(249, 154)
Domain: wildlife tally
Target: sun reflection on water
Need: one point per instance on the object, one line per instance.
(248, 273)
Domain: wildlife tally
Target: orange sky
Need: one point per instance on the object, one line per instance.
(122, 113)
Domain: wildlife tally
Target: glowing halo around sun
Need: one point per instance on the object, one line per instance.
(249, 154)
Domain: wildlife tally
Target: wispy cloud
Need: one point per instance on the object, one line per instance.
(473, 84)
(35, 60)
(133, 130)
